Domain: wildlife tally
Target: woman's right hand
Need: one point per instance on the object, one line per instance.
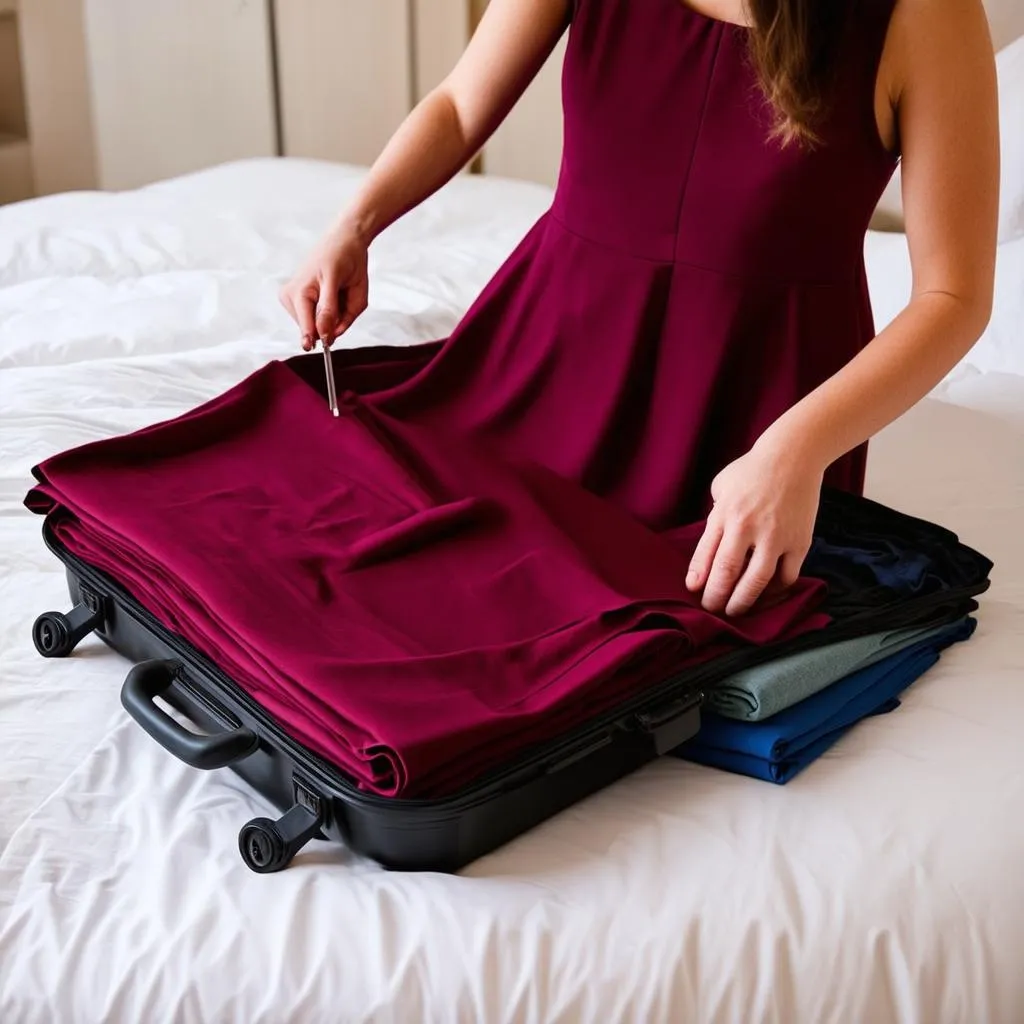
(330, 289)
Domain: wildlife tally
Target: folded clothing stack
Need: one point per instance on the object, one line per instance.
(419, 612)
(773, 718)
(777, 747)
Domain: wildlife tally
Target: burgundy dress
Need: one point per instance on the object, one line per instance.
(692, 280)
(409, 588)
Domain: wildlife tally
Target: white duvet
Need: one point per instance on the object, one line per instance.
(885, 883)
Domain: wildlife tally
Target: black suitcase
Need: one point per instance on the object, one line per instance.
(318, 801)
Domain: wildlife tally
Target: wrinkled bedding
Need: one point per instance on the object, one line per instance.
(882, 884)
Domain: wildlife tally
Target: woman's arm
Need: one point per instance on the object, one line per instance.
(947, 114)
(449, 126)
(944, 93)
(435, 141)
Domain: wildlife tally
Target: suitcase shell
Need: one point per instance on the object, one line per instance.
(317, 801)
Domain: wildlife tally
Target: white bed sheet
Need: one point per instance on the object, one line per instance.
(884, 883)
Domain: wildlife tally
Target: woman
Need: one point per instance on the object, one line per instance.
(687, 331)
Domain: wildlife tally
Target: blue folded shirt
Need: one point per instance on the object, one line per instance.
(779, 747)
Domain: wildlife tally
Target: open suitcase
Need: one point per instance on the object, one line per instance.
(318, 801)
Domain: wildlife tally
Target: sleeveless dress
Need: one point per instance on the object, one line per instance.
(692, 280)
(488, 546)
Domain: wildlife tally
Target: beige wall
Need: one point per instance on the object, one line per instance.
(350, 71)
(123, 92)
(344, 76)
(57, 100)
(12, 92)
(1006, 20)
(177, 85)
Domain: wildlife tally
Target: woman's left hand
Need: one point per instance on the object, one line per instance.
(759, 531)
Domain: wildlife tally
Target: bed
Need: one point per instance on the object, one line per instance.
(883, 884)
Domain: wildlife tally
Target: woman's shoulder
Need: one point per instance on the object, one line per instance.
(940, 34)
(934, 22)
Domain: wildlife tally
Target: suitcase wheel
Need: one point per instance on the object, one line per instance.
(268, 846)
(56, 635)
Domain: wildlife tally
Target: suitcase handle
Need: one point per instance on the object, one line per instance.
(148, 680)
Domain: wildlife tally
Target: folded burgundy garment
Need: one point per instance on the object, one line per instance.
(404, 603)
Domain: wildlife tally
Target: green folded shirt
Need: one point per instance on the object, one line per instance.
(764, 690)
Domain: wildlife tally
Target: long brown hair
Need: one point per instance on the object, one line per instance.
(795, 47)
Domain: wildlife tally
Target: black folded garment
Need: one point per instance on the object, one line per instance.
(876, 560)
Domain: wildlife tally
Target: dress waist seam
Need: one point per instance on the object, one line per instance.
(847, 279)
